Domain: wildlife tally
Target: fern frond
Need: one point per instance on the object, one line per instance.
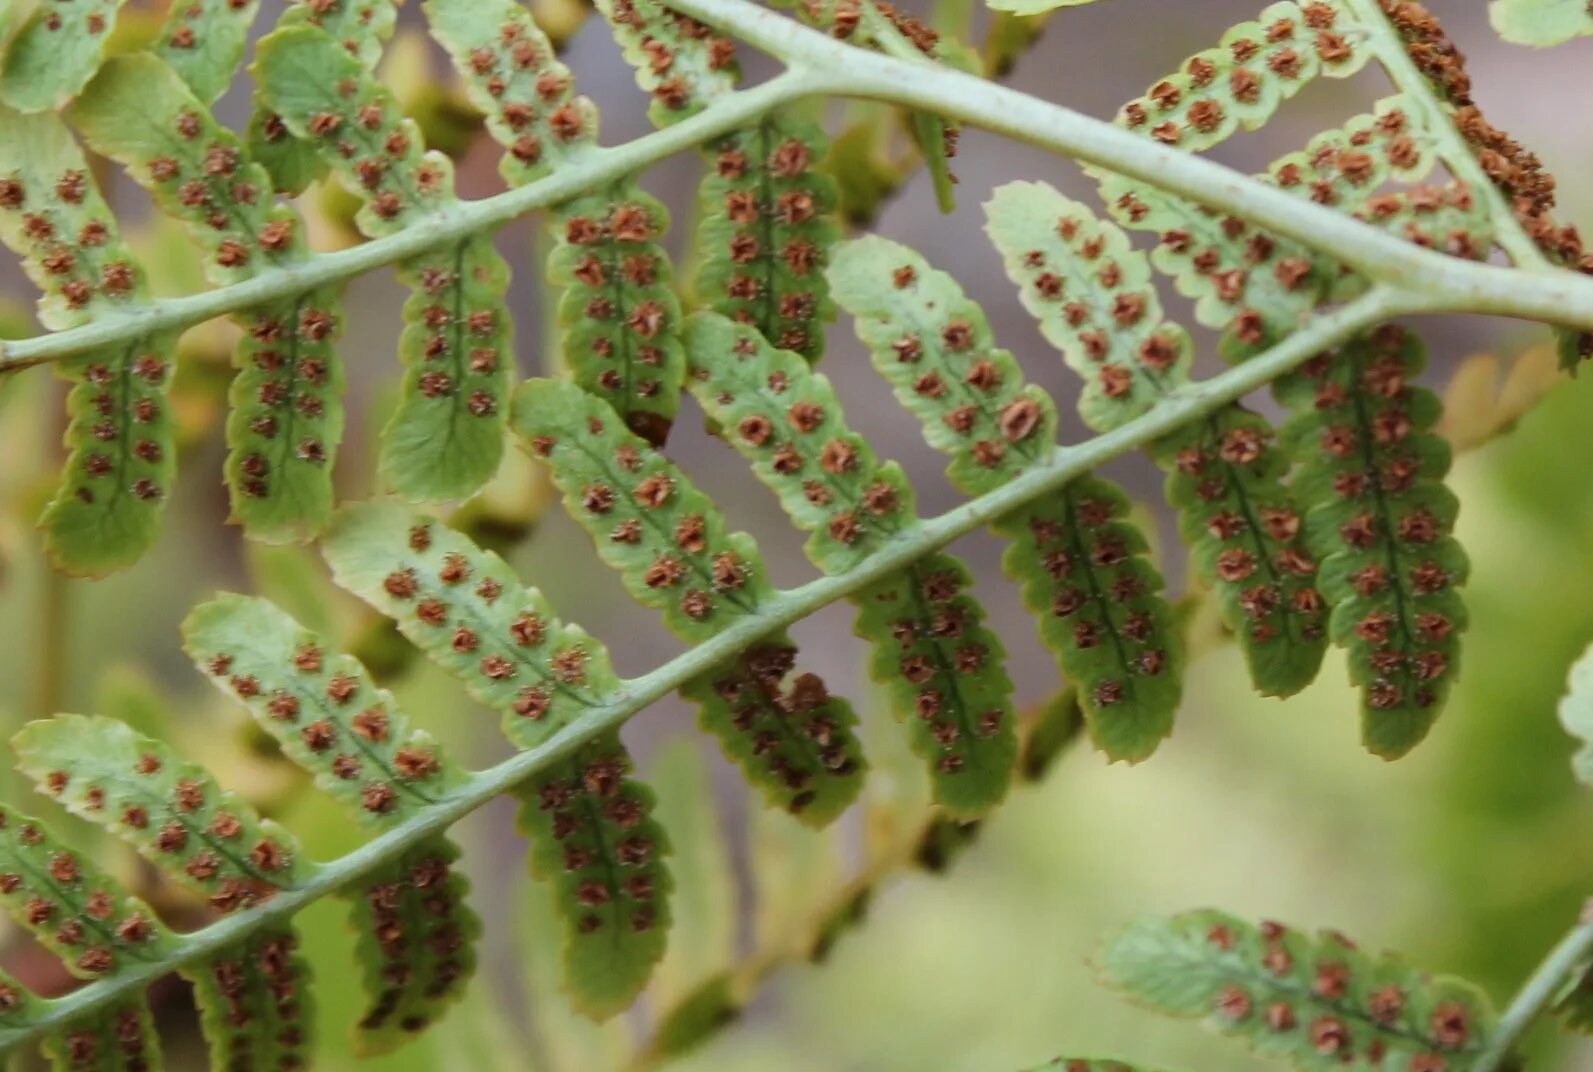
(944, 671)
(1093, 296)
(1087, 578)
(1255, 68)
(1319, 1003)
(204, 41)
(767, 225)
(286, 418)
(446, 437)
(1083, 568)
(589, 824)
(467, 610)
(593, 836)
(619, 316)
(511, 73)
(671, 546)
(1256, 287)
(361, 27)
(935, 348)
(1381, 522)
(56, 52)
(252, 998)
(680, 62)
(122, 458)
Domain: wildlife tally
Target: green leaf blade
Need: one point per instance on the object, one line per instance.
(56, 52)
(466, 609)
(1093, 296)
(618, 315)
(204, 41)
(1381, 523)
(594, 839)
(1316, 1002)
(944, 670)
(935, 348)
(767, 223)
(1086, 577)
(446, 438)
(416, 946)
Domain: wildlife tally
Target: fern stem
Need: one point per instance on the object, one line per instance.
(1540, 990)
(461, 220)
(785, 609)
(1551, 295)
(1389, 49)
(821, 65)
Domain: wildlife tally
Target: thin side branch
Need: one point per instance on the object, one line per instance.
(1538, 992)
(822, 65)
(789, 607)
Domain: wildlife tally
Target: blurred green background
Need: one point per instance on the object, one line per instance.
(1471, 855)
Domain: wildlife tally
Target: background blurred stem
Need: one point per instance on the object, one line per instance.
(1542, 987)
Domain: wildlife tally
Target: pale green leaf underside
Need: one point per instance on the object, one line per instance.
(204, 41)
(56, 52)
(1315, 1001)
(1541, 22)
(1576, 714)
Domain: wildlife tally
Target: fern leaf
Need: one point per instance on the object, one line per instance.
(321, 706)
(121, 1040)
(706, 912)
(1540, 22)
(1319, 1003)
(619, 318)
(682, 63)
(1241, 83)
(1084, 570)
(1093, 296)
(252, 998)
(170, 810)
(446, 438)
(56, 52)
(1087, 579)
(204, 40)
(1576, 714)
(417, 941)
(944, 670)
(767, 225)
(590, 826)
(1092, 293)
(287, 416)
(511, 73)
(671, 547)
(122, 459)
(361, 27)
(1256, 287)
(935, 348)
(468, 612)
(254, 1002)
(593, 837)
(71, 905)
(1380, 523)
